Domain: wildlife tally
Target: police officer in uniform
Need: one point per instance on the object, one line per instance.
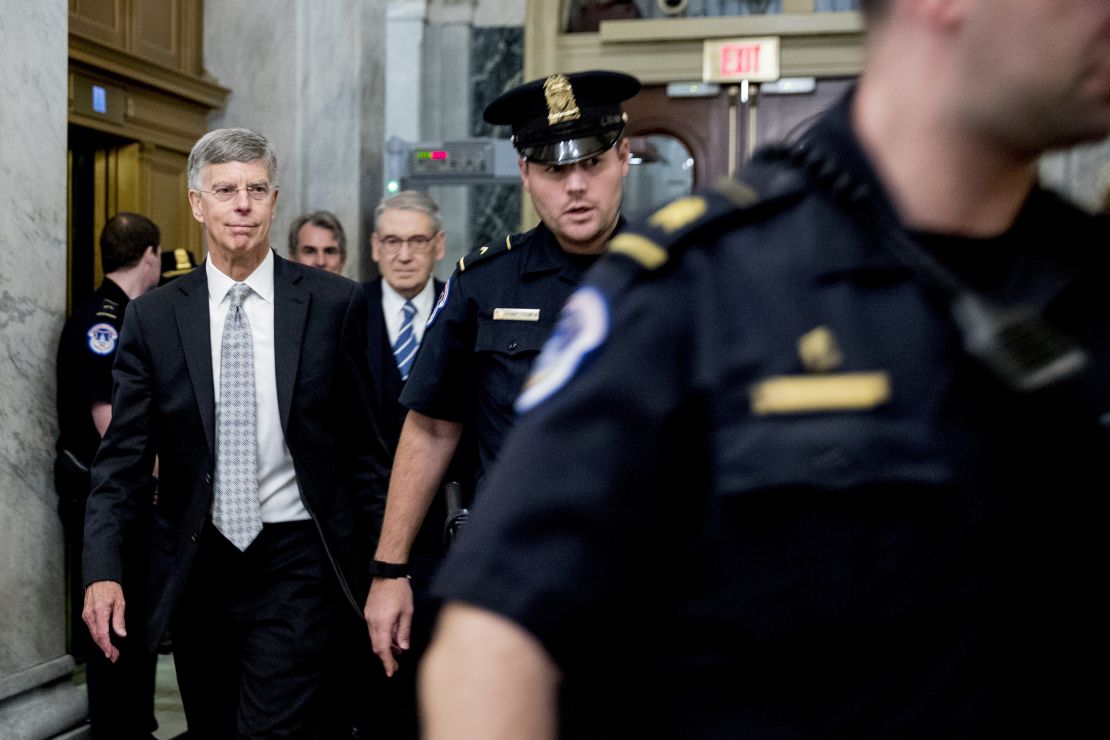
(121, 696)
(498, 308)
(822, 453)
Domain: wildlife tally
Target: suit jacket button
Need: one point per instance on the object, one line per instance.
(512, 346)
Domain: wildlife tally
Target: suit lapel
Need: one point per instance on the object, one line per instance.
(193, 327)
(377, 337)
(291, 302)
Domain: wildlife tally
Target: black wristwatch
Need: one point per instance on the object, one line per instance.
(378, 569)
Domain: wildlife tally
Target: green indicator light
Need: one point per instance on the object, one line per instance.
(393, 186)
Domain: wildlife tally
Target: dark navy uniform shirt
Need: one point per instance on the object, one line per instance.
(86, 352)
(489, 324)
(764, 492)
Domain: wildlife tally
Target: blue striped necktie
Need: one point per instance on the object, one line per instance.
(404, 349)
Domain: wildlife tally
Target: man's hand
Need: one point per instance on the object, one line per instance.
(104, 606)
(388, 614)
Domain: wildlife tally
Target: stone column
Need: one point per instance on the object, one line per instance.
(404, 59)
(308, 74)
(37, 696)
(445, 104)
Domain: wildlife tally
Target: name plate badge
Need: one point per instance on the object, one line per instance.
(798, 394)
(516, 314)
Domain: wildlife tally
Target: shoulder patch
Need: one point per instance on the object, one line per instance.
(651, 241)
(582, 327)
(440, 302)
(103, 339)
(481, 254)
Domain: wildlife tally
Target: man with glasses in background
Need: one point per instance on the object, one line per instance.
(248, 380)
(407, 242)
(496, 311)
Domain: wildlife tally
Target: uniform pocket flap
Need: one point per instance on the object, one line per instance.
(511, 337)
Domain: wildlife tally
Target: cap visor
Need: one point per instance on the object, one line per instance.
(571, 150)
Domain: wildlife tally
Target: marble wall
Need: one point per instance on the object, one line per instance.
(37, 698)
(308, 74)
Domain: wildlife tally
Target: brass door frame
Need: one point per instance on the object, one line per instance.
(662, 50)
(659, 51)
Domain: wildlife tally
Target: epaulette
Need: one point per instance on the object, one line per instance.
(108, 309)
(481, 254)
(652, 241)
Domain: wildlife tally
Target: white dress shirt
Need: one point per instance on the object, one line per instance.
(278, 492)
(393, 309)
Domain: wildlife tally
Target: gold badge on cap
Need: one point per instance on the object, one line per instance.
(181, 257)
(561, 105)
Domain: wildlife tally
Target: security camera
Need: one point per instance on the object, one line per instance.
(672, 7)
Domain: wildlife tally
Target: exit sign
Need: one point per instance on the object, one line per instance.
(754, 59)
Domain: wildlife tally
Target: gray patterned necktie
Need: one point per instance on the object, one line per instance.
(235, 506)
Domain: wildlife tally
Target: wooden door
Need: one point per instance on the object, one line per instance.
(718, 131)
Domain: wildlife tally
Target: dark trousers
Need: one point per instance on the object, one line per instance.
(393, 705)
(121, 694)
(254, 635)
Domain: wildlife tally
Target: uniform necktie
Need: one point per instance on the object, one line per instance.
(404, 348)
(235, 507)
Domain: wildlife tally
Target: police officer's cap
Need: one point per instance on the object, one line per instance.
(176, 262)
(563, 119)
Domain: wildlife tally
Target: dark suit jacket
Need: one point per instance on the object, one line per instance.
(427, 549)
(383, 366)
(163, 404)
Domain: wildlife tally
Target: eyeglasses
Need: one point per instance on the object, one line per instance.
(418, 243)
(258, 191)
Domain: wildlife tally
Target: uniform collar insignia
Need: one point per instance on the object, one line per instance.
(677, 214)
(819, 351)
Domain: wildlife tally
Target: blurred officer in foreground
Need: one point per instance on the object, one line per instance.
(820, 454)
(121, 696)
(498, 308)
(317, 239)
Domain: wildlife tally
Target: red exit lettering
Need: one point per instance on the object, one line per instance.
(737, 60)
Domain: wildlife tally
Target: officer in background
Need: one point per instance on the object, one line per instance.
(823, 453)
(498, 308)
(121, 696)
(317, 239)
